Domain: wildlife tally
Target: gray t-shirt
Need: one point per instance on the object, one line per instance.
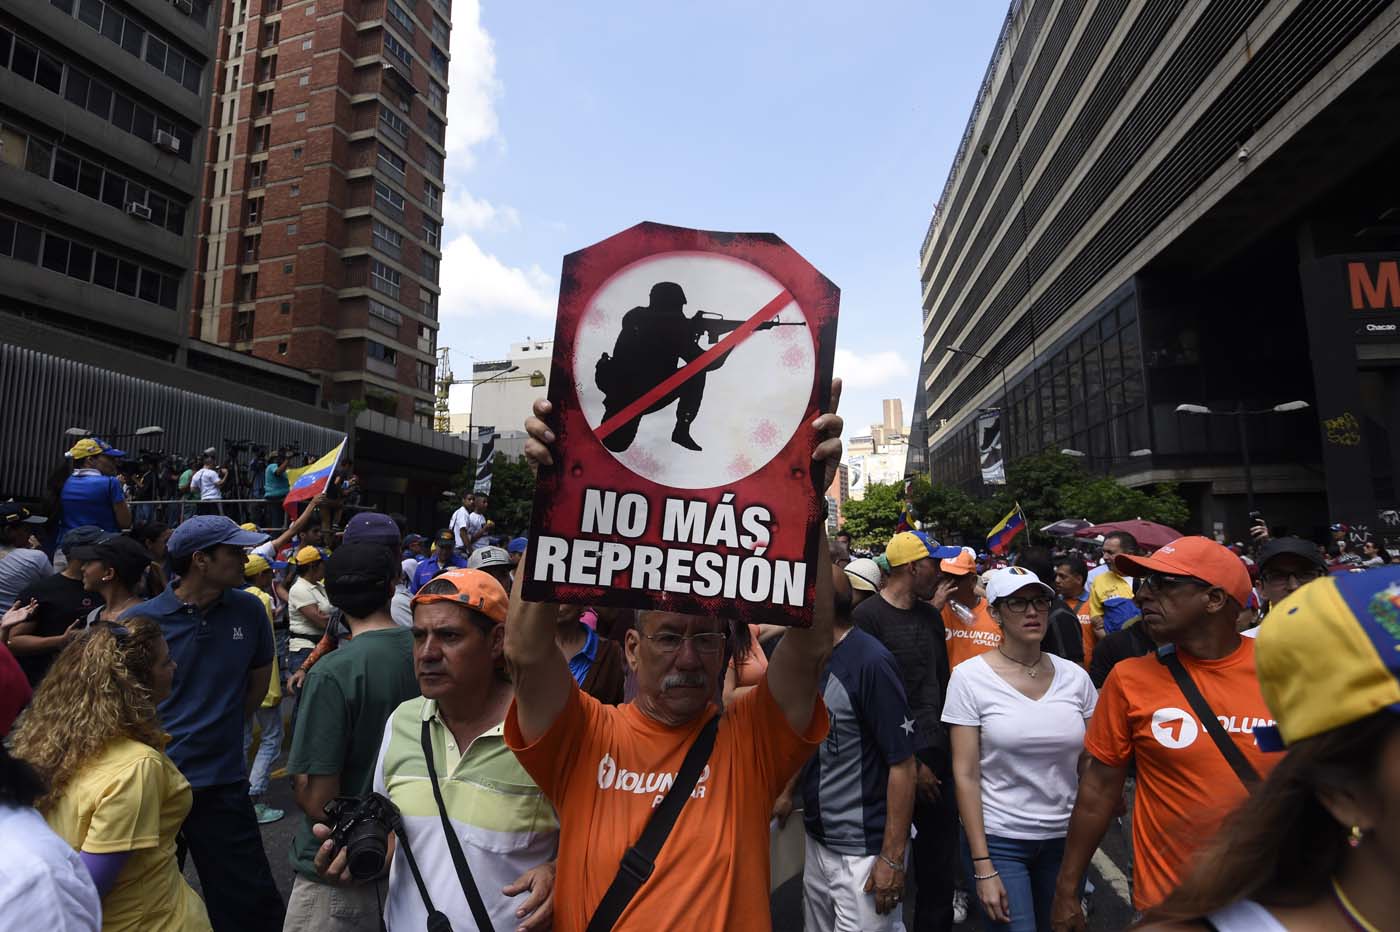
(18, 570)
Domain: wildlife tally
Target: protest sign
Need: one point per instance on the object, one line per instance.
(688, 368)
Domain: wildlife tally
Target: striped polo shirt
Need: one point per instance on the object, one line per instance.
(505, 824)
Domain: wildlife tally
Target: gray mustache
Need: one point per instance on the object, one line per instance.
(682, 680)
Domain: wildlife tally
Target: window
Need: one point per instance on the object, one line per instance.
(437, 60)
(99, 102)
(281, 349)
(296, 189)
(296, 153)
(90, 12)
(251, 244)
(399, 16)
(429, 266)
(262, 103)
(381, 352)
(77, 90)
(387, 240)
(261, 136)
(155, 53)
(425, 376)
(396, 48)
(39, 158)
(60, 254)
(271, 33)
(114, 191)
(387, 199)
(428, 304)
(257, 171)
(65, 169)
(441, 31)
(248, 286)
(48, 73)
(384, 312)
(243, 326)
(393, 165)
(432, 163)
(437, 130)
(437, 96)
(394, 123)
(384, 279)
(255, 211)
(432, 232)
(432, 196)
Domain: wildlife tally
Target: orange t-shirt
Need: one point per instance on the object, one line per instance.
(606, 767)
(1184, 786)
(1080, 607)
(966, 641)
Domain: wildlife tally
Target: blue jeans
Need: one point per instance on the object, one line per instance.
(269, 747)
(1027, 870)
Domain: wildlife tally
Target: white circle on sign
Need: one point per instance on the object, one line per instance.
(751, 406)
(1174, 728)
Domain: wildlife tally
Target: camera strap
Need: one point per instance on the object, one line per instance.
(1240, 764)
(639, 860)
(464, 872)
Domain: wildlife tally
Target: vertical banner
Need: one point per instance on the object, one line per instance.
(688, 368)
(487, 440)
(989, 447)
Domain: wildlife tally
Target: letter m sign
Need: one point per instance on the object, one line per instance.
(1374, 292)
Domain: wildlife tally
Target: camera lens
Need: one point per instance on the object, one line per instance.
(366, 848)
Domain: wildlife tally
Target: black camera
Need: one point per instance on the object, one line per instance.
(361, 825)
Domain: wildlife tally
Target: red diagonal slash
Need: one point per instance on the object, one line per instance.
(695, 366)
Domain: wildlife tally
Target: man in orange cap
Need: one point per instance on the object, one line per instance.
(970, 628)
(1191, 594)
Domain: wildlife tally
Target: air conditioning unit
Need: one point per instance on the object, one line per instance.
(137, 209)
(184, 6)
(168, 142)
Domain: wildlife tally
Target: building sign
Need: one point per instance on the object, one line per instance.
(989, 448)
(1373, 292)
(688, 367)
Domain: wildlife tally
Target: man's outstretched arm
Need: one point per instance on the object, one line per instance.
(539, 671)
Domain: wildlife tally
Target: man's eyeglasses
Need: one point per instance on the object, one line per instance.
(1018, 605)
(1160, 582)
(1298, 577)
(668, 642)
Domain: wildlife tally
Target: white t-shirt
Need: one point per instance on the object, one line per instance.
(19, 569)
(1030, 748)
(304, 634)
(461, 518)
(206, 483)
(43, 883)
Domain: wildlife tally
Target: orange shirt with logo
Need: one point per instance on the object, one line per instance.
(1080, 607)
(965, 640)
(606, 767)
(1185, 788)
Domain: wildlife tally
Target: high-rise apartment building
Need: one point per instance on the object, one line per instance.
(102, 107)
(322, 242)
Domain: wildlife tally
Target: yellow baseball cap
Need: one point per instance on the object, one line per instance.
(1329, 655)
(249, 526)
(908, 546)
(92, 446)
(308, 555)
(255, 565)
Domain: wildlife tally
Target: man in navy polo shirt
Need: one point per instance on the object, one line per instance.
(222, 646)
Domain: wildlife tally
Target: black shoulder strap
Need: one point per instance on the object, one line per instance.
(639, 860)
(464, 872)
(1231, 751)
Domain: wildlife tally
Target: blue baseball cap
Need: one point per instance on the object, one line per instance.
(205, 531)
(371, 527)
(517, 545)
(82, 536)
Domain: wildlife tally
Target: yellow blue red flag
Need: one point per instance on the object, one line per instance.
(999, 537)
(309, 481)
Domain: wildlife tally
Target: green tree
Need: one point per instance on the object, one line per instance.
(950, 514)
(872, 520)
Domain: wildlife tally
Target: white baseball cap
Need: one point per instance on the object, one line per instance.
(488, 556)
(864, 574)
(1010, 579)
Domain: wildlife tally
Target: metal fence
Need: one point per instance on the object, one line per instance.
(43, 396)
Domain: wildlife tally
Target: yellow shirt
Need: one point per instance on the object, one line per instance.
(132, 798)
(274, 685)
(1107, 585)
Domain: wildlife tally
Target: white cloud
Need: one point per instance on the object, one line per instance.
(857, 370)
(475, 282)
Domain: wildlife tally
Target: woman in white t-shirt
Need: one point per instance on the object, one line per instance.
(1017, 717)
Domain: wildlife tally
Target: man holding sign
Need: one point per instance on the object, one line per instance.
(608, 769)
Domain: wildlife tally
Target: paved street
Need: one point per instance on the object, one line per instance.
(1111, 910)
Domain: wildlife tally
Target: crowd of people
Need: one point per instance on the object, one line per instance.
(957, 731)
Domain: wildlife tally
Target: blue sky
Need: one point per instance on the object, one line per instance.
(831, 124)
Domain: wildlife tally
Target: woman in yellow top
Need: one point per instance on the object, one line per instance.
(92, 735)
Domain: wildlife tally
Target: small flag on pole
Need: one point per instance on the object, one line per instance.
(908, 520)
(999, 537)
(309, 481)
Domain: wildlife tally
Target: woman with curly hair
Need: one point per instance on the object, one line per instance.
(1316, 848)
(92, 736)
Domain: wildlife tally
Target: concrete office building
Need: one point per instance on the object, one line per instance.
(502, 398)
(101, 155)
(322, 244)
(1160, 203)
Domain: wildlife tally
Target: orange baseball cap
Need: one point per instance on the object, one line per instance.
(1193, 556)
(965, 562)
(476, 590)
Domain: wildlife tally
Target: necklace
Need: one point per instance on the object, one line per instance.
(1030, 668)
(1352, 914)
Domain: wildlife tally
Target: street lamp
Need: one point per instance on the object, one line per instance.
(1241, 416)
(1005, 394)
(471, 397)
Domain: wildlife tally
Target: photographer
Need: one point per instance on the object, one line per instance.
(208, 483)
(275, 489)
(346, 701)
(503, 826)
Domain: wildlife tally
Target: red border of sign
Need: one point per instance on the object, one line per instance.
(785, 484)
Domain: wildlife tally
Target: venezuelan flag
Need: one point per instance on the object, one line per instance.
(309, 481)
(999, 537)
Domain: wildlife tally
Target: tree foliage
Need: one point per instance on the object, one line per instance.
(1049, 486)
(512, 492)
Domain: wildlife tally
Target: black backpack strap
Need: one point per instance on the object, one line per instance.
(464, 872)
(1228, 748)
(639, 860)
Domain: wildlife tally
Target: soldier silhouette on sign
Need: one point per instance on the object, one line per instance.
(655, 342)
